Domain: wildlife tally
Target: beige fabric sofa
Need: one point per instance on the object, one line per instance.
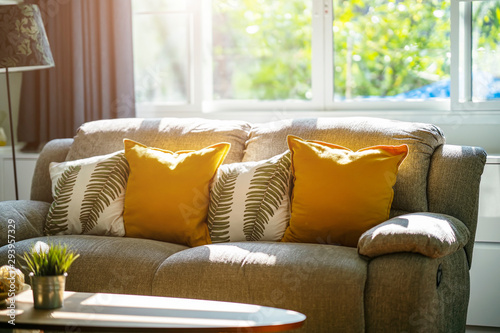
(409, 274)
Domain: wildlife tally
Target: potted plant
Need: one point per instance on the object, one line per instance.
(48, 266)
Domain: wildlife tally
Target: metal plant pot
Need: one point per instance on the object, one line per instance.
(48, 291)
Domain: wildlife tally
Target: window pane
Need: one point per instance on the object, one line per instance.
(391, 49)
(262, 49)
(486, 50)
(161, 51)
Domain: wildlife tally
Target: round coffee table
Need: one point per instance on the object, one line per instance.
(90, 312)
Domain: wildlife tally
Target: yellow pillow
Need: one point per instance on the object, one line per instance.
(338, 194)
(167, 193)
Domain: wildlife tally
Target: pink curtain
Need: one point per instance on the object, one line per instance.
(91, 42)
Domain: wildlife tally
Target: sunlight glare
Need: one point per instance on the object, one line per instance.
(168, 303)
(151, 319)
(252, 29)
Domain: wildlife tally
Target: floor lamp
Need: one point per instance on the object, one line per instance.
(23, 47)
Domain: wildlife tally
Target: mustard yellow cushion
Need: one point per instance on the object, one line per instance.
(167, 193)
(338, 194)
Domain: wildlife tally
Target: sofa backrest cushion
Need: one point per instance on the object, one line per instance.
(410, 192)
(106, 136)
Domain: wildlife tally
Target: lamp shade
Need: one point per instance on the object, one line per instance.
(23, 43)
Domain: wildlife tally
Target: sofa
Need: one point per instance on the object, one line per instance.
(407, 274)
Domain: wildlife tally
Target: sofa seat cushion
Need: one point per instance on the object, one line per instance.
(108, 264)
(173, 134)
(324, 282)
(410, 191)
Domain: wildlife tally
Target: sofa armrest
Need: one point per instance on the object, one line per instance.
(28, 216)
(433, 235)
(54, 151)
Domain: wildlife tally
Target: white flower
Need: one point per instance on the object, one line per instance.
(41, 247)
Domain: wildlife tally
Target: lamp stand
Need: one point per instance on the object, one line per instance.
(12, 142)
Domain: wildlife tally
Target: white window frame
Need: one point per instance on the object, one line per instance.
(200, 76)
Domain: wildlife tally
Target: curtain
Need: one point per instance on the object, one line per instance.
(91, 42)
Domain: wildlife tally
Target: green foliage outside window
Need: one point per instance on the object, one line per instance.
(381, 48)
(388, 48)
(487, 17)
(262, 49)
(485, 47)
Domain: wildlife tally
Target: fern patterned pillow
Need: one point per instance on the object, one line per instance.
(250, 201)
(88, 196)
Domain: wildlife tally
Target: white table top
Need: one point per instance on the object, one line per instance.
(131, 313)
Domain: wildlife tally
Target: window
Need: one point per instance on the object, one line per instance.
(163, 38)
(261, 50)
(203, 55)
(476, 44)
(391, 50)
(485, 50)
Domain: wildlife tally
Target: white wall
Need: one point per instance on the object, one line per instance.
(15, 94)
(483, 135)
